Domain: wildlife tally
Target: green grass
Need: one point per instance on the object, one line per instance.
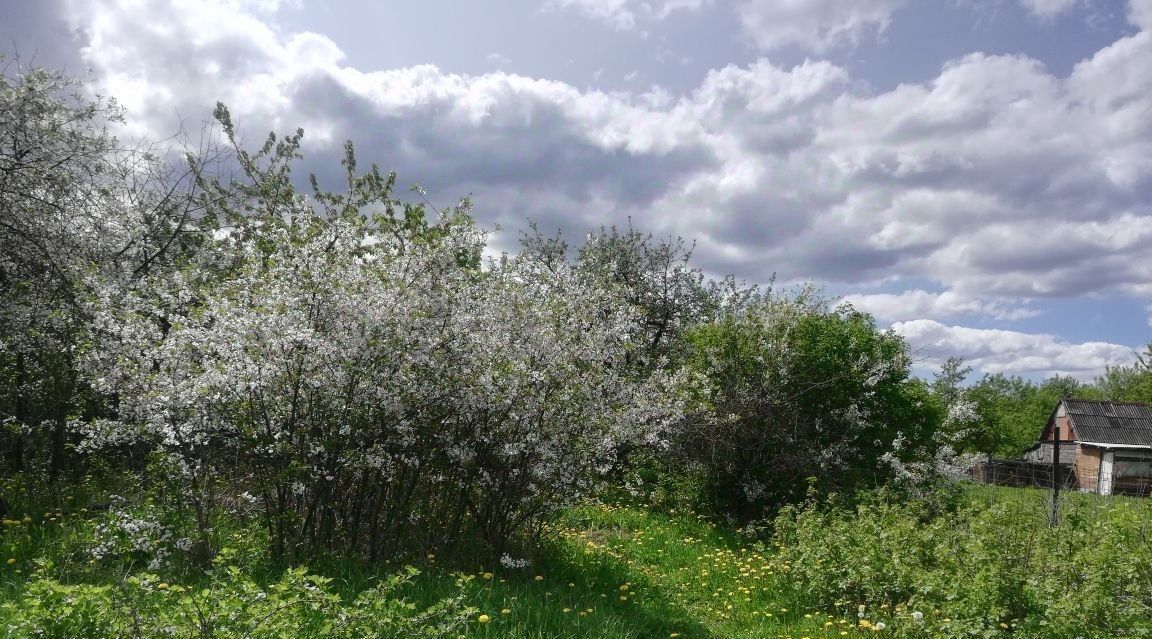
(626, 572)
(603, 572)
(1036, 503)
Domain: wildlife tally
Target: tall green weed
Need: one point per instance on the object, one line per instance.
(233, 606)
(980, 571)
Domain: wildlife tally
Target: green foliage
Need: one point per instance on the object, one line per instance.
(1129, 383)
(994, 571)
(968, 568)
(231, 606)
(656, 277)
(1011, 414)
(1011, 411)
(795, 389)
(657, 482)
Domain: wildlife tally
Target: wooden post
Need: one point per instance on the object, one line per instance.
(1055, 476)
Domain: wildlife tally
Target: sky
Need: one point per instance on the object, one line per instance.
(977, 174)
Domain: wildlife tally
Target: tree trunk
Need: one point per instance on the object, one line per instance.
(16, 453)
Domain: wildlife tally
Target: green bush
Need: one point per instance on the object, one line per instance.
(794, 388)
(233, 606)
(994, 571)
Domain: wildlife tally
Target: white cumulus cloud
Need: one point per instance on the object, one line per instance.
(1048, 8)
(996, 182)
(1011, 352)
(1140, 13)
(625, 14)
(918, 304)
(815, 24)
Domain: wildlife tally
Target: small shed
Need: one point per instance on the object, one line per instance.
(1108, 444)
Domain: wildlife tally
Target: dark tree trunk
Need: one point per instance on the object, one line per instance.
(16, 453)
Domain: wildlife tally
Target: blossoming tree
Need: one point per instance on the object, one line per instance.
(363, 374)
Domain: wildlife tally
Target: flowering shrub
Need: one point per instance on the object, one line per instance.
(74, 201)
(122, 535)
(366, 377)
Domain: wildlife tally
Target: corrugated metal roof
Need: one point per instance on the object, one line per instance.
(1132, 410)
(1126, 423)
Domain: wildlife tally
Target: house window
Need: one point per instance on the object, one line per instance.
(1131, 473)
(1133, 465)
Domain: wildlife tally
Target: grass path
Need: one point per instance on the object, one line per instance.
(621, 572)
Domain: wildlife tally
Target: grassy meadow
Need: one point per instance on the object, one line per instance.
(621, 571)
(605, 571)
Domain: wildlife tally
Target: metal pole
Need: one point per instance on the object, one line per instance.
(1055, 476)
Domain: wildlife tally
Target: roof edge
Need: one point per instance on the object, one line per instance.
(1104, 401)
(1106, 445)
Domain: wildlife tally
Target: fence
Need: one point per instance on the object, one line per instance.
(1121, 476)
(1072, 477)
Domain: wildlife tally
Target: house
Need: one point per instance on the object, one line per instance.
(1108, 445)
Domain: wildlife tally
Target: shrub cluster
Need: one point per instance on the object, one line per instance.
(299, 604)
(350, 370)
(992, 571)
(793, 389)
(365, 376)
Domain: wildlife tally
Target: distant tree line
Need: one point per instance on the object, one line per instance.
(1004, 414)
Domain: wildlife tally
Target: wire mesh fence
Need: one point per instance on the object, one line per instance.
(1074, 481)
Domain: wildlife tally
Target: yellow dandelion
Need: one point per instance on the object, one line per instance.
(484, 619)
